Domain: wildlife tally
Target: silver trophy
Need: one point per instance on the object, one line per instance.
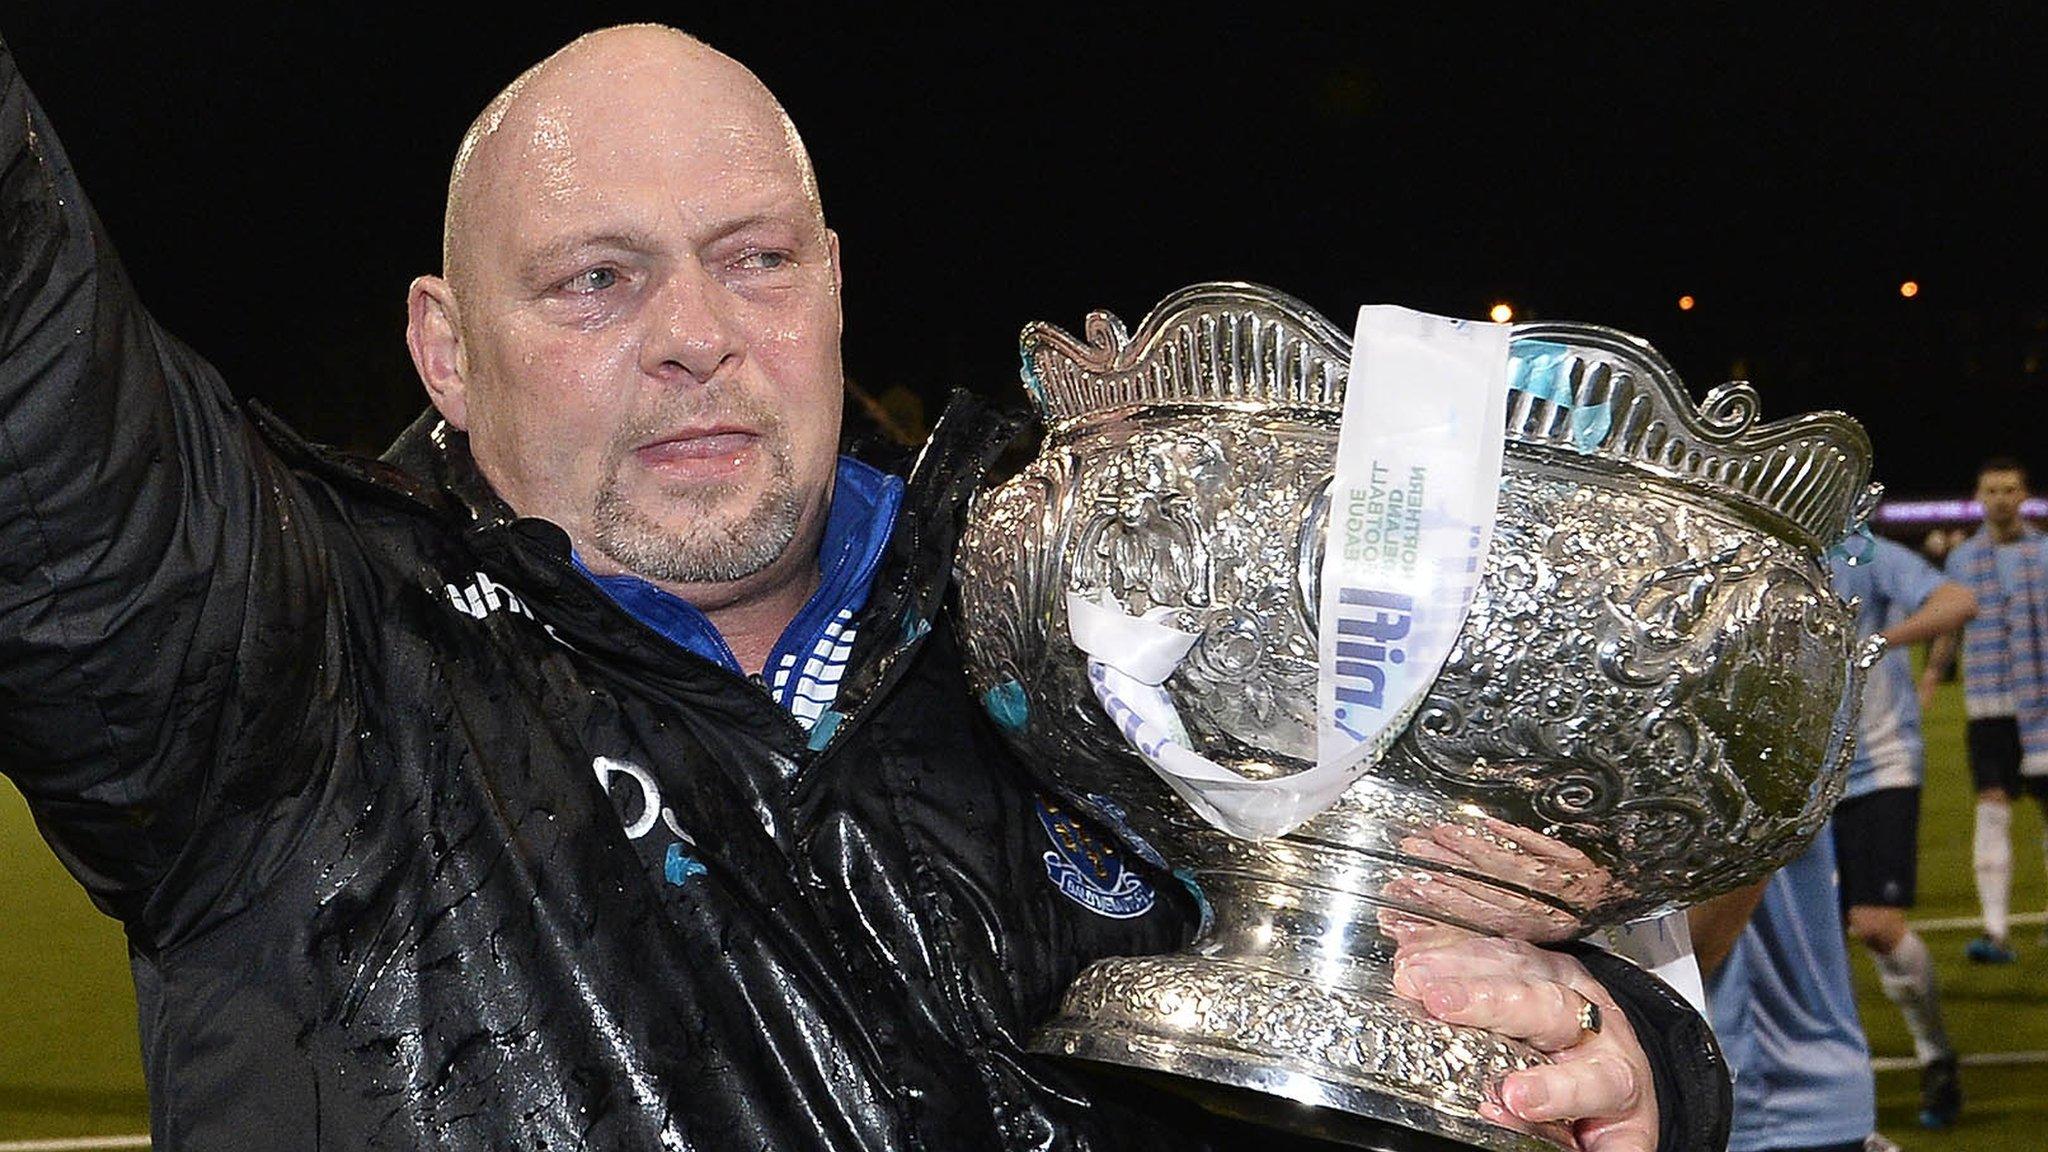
(1645, 706)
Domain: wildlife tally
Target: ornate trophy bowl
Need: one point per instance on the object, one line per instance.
(1643, 709)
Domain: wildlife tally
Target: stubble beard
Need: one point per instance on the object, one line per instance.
(711, 548)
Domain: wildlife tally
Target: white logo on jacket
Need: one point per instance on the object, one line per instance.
(680, 864)
(483, 596)
(651, 808)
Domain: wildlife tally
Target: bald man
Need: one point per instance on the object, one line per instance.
(597, 770)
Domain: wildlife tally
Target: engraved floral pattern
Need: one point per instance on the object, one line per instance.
(1141, 534)
(1333, 1034)
(1635, 678)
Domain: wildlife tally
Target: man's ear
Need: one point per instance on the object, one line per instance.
(434, 337)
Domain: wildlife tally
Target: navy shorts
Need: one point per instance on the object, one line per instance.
(1877, 838)
(1995, 753)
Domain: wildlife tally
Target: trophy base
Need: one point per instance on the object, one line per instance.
(1275, 1049)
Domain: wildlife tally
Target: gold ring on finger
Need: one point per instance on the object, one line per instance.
(1589, 1018)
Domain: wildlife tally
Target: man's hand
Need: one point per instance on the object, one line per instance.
(1598, 1083)
(1941, 652)
(1930, 682)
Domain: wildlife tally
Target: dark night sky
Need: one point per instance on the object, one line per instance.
(274, 180)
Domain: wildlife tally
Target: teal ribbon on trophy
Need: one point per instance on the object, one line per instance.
(1543, 370)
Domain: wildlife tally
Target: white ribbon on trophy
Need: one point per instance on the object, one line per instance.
(1411, 516)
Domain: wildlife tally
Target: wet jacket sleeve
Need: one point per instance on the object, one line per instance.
(160, 619)
(1695, 1104)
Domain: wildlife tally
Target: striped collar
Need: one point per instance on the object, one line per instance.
(804, 667)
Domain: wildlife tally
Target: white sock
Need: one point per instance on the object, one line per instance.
(1993, 857)
(1908, 978)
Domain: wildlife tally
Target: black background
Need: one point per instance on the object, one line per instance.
(274, 179)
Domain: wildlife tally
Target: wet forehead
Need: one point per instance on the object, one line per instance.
(697, 138)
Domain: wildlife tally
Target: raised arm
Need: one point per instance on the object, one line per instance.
(1946, 609)
(1718, 923)
(143, 570)
(1940, 608)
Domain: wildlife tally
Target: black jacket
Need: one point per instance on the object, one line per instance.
(320, 732)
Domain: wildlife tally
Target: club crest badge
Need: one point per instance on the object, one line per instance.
(1085, 867)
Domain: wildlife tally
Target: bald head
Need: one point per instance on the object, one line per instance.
(525, 140)
(638, 322)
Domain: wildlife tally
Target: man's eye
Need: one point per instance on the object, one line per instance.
(765, 261)
(593, 280)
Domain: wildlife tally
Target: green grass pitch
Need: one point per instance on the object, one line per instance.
(69, 1068)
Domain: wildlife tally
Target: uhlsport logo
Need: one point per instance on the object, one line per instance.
(1370, 623)
(483, 596)
(1086, 869)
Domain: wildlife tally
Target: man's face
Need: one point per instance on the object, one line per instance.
(2001, 492)
(649, 320)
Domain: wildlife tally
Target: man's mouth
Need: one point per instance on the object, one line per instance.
(712, 453)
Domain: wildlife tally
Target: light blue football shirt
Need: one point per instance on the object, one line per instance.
(1785, 1013)
(1892, 581)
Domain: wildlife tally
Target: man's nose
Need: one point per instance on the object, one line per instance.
(691, 330)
